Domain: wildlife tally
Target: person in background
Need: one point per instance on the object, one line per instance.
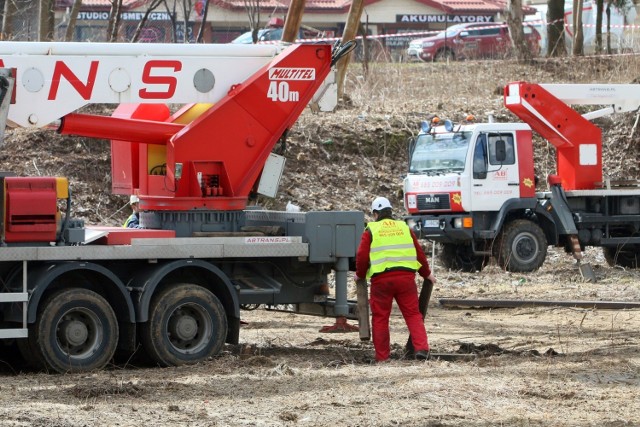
(390, 255)
(134, 219)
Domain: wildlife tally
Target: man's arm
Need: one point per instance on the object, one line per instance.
(425, 269)
(362, 256)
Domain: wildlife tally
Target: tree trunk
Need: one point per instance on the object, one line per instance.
(172, 17)
(152, 6)
(114, 21)
(252, 7)
(45, 28)
(608, 10)
(200, 35)
(73, 16)
(578, 34)
(555, 28)
(514, 21)
(599, 10)
(350, 31)
(186, 11)
(293, 21)
(9, 12)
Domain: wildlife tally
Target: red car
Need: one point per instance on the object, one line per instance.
(470, 41)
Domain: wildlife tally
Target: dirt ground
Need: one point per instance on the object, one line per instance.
(515, 367)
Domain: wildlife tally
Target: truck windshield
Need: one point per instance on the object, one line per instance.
(440, 153)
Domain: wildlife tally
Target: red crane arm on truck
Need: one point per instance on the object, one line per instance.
(215, 160)
(208, 155)
(578, 142)
(547, 109)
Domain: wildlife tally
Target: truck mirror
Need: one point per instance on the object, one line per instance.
(411, 145)
(464, 34)
(501, 151)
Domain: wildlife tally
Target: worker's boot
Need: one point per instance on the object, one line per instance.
(422, 355)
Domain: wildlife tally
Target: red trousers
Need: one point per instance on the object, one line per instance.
(384, 288)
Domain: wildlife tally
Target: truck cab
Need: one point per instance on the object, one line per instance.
(447, 168)
(464, 181)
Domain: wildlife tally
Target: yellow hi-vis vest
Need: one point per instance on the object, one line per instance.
(391, 247)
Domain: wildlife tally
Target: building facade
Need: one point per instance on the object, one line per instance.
(394, 22)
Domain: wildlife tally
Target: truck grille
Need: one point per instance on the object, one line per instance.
(427, 202)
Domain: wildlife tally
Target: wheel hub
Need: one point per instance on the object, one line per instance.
(74, 333)
(184, 327)
(525, 248)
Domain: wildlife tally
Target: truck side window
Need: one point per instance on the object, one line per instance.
(480, 158)
(510, 158)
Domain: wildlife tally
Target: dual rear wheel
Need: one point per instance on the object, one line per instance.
(77, 329)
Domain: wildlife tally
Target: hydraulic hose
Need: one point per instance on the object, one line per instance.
(339, 50)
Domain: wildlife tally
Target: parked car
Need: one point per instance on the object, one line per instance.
(265, 34)
(273, 32)
(470, 41)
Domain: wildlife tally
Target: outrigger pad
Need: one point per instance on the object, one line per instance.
(340, 327)
(587, 272)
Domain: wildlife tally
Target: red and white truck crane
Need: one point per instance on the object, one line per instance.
(471, 187)
(71, 295)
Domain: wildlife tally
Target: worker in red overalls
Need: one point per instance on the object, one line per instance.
(389, 255)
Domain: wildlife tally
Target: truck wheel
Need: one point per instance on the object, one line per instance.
(623, 257)
(460, 257)
(521, 247)
(187, 324)
(76, 331)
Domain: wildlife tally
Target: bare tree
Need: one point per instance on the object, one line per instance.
(114, 20)
(514, 21)
(152, 6)
(172, 17)
(186, 12)
(73, 16)
(9, 10)
(253, 11)
(578, 34)
(46, 21)
(204, 21)
(555, 28)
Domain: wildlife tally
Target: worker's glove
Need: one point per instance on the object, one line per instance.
(361, 282)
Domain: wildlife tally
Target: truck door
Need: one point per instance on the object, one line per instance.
(494, 180)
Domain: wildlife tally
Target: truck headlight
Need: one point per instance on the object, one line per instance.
(466, 222)
(412, 201)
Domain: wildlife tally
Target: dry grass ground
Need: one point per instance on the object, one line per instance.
(532, 366)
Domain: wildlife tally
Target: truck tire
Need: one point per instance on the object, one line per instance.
(460, 257)
(521, 247)
(76, 331)
(187, 324)
(627, 256)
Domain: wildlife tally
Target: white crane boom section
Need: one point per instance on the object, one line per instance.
(55, 79)
(620, 98)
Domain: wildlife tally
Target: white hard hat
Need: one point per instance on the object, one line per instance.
(133, 199)
(380, 203)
